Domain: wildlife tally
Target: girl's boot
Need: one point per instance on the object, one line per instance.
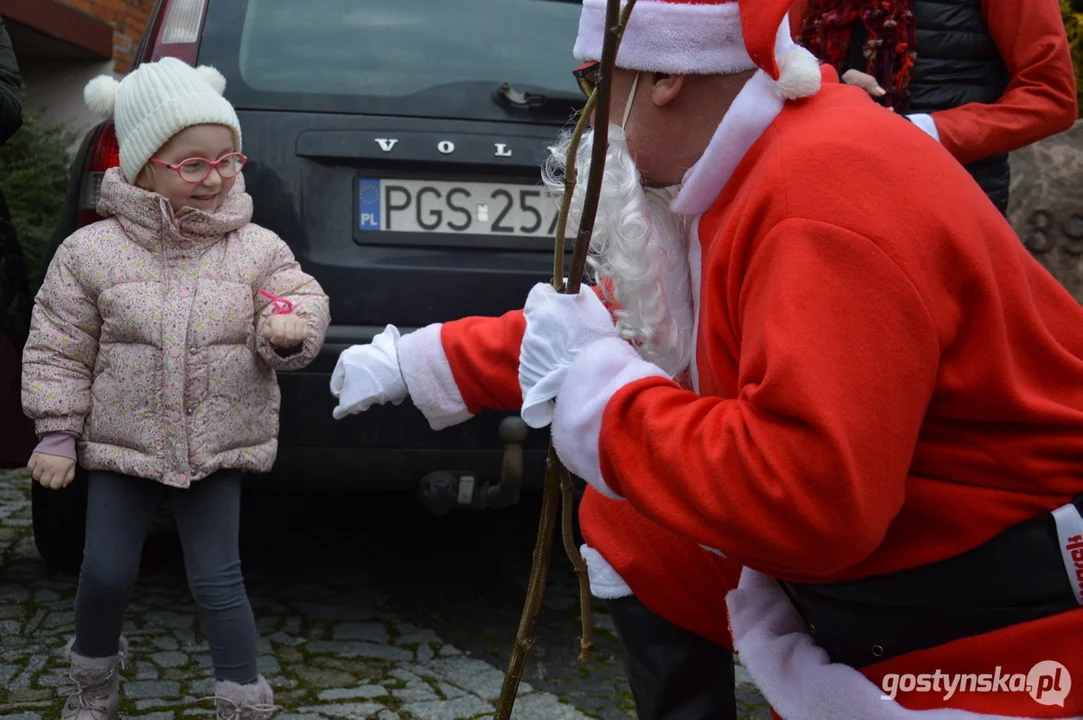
(97, 685)
(244, 702)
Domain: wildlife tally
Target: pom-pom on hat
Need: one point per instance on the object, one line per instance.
(705, 37)
(156, 101)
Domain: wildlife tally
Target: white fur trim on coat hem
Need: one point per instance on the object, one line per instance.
(752, 111)
(601, 369)
(605, 582)
(429, 379)
(795, 675)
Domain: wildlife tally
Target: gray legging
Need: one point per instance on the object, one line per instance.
(120, 510)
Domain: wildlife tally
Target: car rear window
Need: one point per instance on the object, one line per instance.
(400, 56)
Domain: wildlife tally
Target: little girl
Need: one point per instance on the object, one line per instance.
(154, 344)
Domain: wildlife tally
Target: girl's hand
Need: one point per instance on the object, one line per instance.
(864, 81)
(52, 471)
(285, 331)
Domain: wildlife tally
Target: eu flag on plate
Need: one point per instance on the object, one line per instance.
(369, 204)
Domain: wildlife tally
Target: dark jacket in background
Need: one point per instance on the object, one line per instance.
(17, 438)
(958, 64)
(988, 76)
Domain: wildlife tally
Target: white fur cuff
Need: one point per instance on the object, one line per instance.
(926, 123)
(678, 38)
(428, 376)
(594, 377)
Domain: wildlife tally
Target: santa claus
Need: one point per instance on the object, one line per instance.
(817, 352)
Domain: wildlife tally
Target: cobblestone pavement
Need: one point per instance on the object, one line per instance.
(367, 608)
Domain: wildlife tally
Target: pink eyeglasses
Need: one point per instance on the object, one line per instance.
(196, 170)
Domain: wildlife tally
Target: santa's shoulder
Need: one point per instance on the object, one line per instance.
(840, 158)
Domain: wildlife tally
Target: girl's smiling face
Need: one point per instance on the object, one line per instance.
(199, 142)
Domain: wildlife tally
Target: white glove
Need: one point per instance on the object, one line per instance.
(368, 375)
(558, 327)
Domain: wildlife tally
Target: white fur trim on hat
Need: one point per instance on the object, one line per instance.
(695, 39)
(677, 38)
(155, 102)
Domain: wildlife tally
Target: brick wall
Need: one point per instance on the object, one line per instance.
(128, 18)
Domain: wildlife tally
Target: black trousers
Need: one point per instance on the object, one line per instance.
(674, 674)
(120, 510)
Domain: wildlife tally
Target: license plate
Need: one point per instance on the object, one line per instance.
(425, 206)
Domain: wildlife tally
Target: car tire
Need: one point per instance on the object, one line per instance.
(59, 518)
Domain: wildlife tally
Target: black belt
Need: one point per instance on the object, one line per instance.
(1015, 577)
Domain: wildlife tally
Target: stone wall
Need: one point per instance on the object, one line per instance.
(1046, 206)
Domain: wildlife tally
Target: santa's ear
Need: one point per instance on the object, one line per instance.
(666, 88)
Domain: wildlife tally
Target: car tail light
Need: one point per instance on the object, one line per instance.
(176, 31)
(104, 153)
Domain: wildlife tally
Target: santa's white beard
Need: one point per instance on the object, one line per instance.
(638, 244)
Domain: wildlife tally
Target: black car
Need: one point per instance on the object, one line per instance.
(396, 146)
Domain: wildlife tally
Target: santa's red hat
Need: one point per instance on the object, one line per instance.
(705, 37)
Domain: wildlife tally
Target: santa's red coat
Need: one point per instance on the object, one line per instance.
(675, 577)
(884, 378)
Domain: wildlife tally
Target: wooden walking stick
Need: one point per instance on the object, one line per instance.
(558, 488)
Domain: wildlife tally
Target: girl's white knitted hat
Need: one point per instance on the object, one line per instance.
(156, 101)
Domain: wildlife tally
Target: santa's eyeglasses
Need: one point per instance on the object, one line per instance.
(587, 77)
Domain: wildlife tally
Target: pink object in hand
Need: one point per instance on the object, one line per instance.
(175, 416)
(282, 305)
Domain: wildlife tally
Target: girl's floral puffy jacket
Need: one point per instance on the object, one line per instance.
(147, 344)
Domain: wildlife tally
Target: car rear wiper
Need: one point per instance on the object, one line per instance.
(507, 96)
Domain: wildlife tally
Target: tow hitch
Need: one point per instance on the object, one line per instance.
(444, 490)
